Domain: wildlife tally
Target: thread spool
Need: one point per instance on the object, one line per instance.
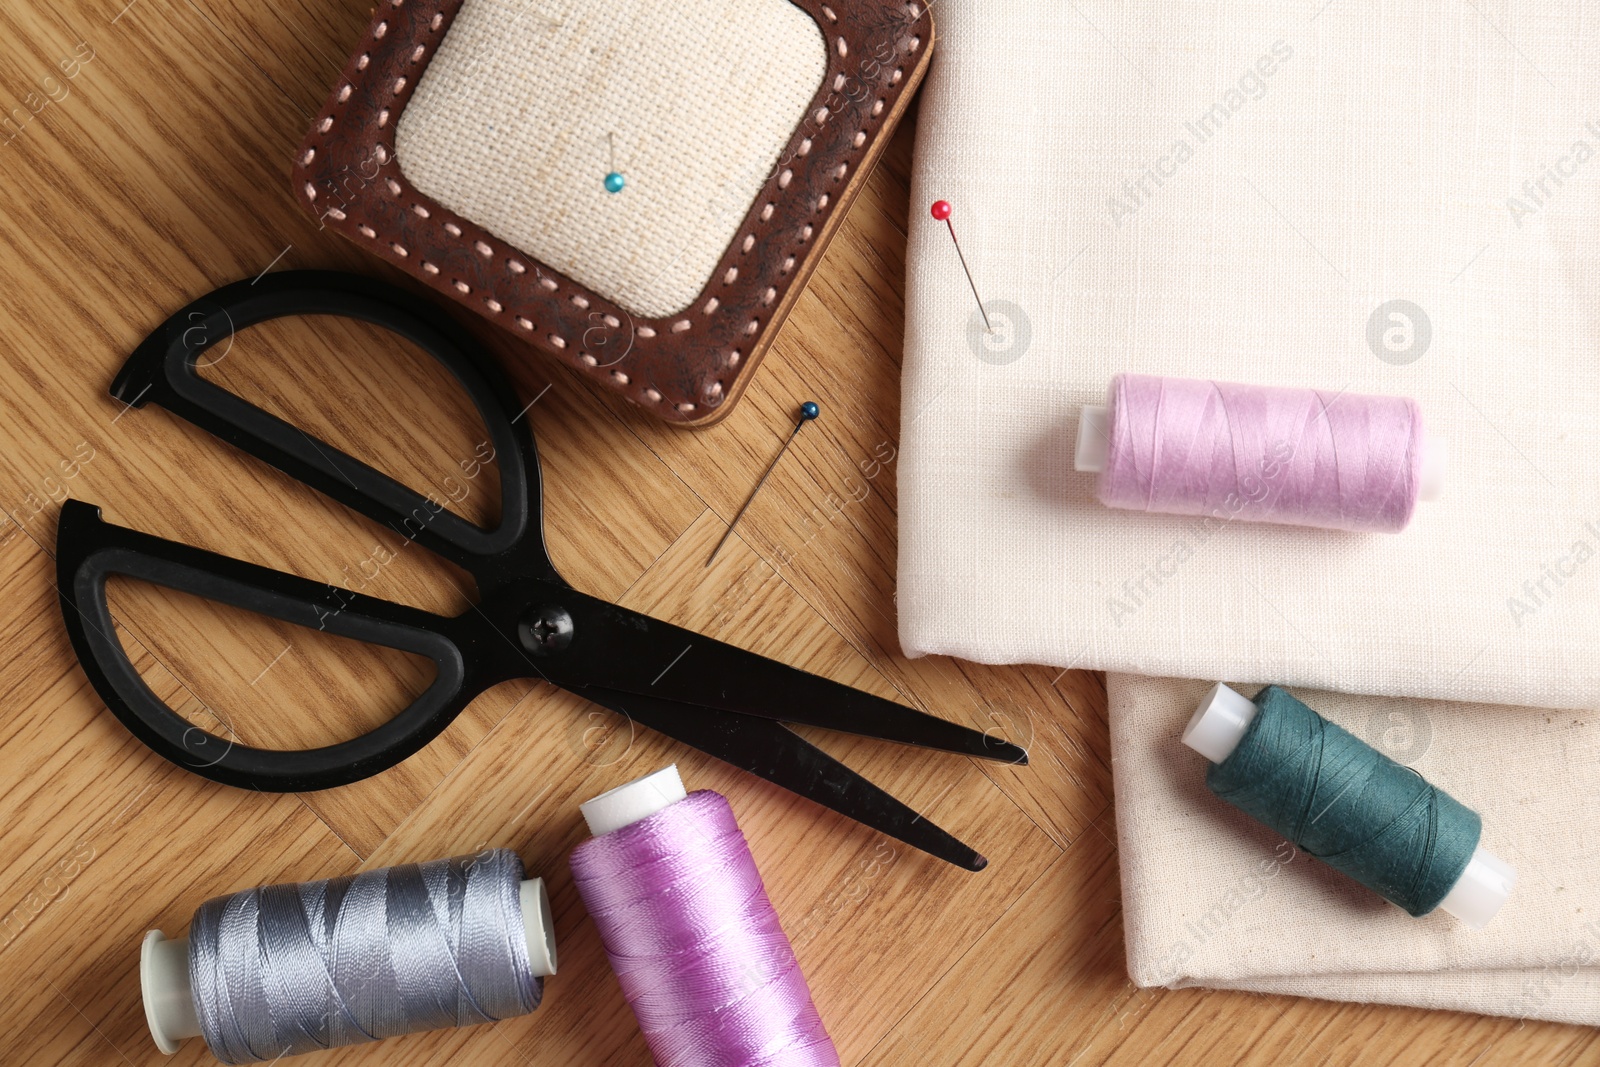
(1300, 457)
(686, 923)
(285, 969)
(1342, 801)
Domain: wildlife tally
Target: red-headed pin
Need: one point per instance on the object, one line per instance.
(942, 211)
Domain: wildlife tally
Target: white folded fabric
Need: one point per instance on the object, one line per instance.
(1212, 898)
(1396, 199)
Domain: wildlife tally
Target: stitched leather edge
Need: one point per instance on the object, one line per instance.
(687, 368)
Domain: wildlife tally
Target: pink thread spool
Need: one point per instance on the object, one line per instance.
(1302, 457)
(690, 933)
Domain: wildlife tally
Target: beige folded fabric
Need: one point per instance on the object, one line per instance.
(1212, 898)
(1400, 199)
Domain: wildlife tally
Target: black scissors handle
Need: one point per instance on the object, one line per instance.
(90, 550)
(164, 370)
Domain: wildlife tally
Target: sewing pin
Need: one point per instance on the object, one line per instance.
(942, 210)
(808, 411)
(614, 180)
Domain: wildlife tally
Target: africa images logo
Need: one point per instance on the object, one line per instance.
(1540, 190)
(1251, 85)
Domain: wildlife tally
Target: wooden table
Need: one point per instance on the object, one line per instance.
(154, 171)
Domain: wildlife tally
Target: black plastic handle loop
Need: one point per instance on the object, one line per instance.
(90, 551)
(470, 652)
(164, 370)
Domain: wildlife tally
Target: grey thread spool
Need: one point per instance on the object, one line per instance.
(285, 969)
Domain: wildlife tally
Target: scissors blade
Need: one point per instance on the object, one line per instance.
(614, 648)
(770, 750)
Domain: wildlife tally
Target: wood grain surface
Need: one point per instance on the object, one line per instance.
(144, 162)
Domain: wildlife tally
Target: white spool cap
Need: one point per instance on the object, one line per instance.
(639, 799)
(164, 981)
(1481, 889)
(1219, 724)
(538, 926)
(1094, 444)
(169, 998)
(1094, 438)
(1435, 465)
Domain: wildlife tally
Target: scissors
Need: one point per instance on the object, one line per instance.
(528, 622)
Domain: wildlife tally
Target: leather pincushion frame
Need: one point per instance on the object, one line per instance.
(687, 366)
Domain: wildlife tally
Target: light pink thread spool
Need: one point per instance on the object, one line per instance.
(1303, 457)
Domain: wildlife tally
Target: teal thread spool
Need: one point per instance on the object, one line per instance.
(1344, 802)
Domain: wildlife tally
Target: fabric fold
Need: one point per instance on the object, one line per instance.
(1212, 898)
(1401, 201)
(1308, 195)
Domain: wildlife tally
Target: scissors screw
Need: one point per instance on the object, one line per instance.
(545, 630)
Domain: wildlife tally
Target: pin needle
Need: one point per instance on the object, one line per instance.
(942, 210)
(808, 411)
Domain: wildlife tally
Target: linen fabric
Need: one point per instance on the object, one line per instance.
(1394, 200)
(1213, 898)
(514, 122)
